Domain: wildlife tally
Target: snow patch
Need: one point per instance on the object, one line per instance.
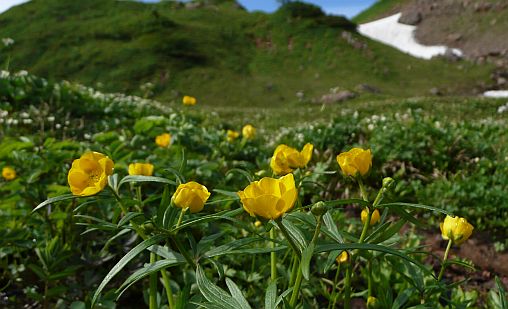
(389, 31)
(496, 94)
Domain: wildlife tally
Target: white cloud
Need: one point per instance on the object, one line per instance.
(7, 4)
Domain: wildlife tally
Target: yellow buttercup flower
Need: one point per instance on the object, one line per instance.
(89, 174)
(191, 195)
(285, 159)
(232, 135)
(143, 169)
(8, 173)
(355, 161)
(163, 140)
(457, 229)
(269, 198)
(373, 219)
(258, 223)
(343, 257)
(248, 131)
(188, 100)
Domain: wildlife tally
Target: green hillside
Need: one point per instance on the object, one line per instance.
(217, 52)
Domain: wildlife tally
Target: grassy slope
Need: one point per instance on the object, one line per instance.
(380, 9)
(212, 53)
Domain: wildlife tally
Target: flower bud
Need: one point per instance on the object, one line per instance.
(343, 257)
(373, 219)
(372, 303)
(388, 182)
(318, 209)
(258, 223)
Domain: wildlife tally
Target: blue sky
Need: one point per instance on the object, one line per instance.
(348, 8)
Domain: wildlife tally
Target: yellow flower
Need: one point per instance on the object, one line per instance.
(373, 219)
(232, 135)
(285, 158)
(191, 195)
(269, 198)
(188, 100)
(372, 302)
(8, 173)
(343, 257)
(163, 140)
(144, 169)
(355, 161)
(248, 131)
(89, 174)
(457, 229)
(258, 223)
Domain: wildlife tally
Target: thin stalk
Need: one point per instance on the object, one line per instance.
(273, 256)
(299, 276)
(184, 252)
(365, 196)
(135, 226)
(369, 278)
(366, 225)
(294, 268)
(441, 272)
(347, 288)
(139, 197)
(296, 287)
(153, 284)
(334, 292)
(180, 218)
(167, 287)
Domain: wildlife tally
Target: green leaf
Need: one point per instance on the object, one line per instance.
(271, 295)
(147, 270)
(166, 253)
(244, 173)
(224, 249)
(138, 178)
(306, 258)
(237, 294)
(402, 298)
(334, 203)
(232, 194)
(373, 247)
(164, 204)
(213, 293)
(502, 293)
(225, 215)
(128, 217)
(54, 200)
(123, 262)
(295, 234)
(386, 234)
(418, 206)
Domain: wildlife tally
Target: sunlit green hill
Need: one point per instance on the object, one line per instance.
(217, 52)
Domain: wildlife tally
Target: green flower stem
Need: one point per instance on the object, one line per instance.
(273, 256)
(135, 226)
(180, 218)
(347, 287)
(139, 197)
(299, 276)
(333, 298)
(167, 286)
(153, 284)
(369, 278)
(288, 238)
(296, 287)
(365, 196)
(294, 269)
(184, 252)
(441, 272)
(366, 225)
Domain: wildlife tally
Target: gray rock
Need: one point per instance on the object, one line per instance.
(435, 91)
(412, 18)
(451, 55)
(367, 88)
(337, 97)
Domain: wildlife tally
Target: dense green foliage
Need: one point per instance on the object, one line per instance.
(218, 52)
(62, 252)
